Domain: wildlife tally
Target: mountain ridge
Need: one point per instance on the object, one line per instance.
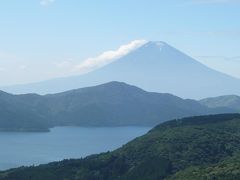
(231, 101)
(153, 67)
(110, 104)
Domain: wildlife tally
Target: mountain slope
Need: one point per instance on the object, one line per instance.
(178, 149)
(115, 104)
(155, 66)
(18, 116)
(230, 101)
(110, 104)
(228, 169)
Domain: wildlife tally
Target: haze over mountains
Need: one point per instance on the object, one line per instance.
(110, 104)
(155, 66)
(230, 101)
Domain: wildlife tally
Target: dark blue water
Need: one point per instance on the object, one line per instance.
(17, 149)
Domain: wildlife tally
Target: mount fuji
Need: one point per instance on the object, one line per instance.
(155, 66)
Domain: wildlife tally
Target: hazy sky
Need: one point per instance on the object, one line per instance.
(42, 39)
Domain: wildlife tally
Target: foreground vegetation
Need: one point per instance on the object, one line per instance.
(203, 147)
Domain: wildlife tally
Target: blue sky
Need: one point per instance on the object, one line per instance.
(41, 39)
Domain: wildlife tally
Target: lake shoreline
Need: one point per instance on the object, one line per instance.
(26, 130)
(26, 149)
(14, 130)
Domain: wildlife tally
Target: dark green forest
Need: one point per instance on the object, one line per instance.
(201, 147)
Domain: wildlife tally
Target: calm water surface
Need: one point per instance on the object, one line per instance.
(17, 149)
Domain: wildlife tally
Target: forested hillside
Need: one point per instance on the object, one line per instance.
(203, 147)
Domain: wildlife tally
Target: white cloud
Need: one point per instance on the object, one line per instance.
(63, 64)
(107, 57)
(46, 2)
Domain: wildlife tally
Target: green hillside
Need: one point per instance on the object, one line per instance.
(203, 147)
(110, 104)
(228, 169)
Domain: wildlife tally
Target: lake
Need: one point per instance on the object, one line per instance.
(18, 149)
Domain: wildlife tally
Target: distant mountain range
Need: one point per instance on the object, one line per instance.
(229, 101)
(155, 66)
(196, 148)
(16, 115)
(110, 104)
